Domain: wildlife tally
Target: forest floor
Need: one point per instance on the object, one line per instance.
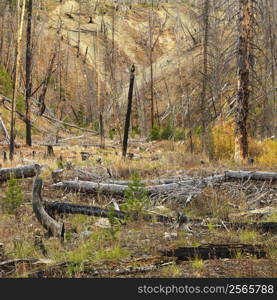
(100, 247)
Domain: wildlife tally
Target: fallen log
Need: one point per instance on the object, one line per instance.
(125, 271)
(9, 267)
(91, 187)
(52, 226)
(215, 251)
(244, 175)
(19, 172)
(186, 187)
(88, 269)
(68, 208)
(146, 182)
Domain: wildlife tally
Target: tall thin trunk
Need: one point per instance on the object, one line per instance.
(272, 37)
(100, 102)
(28, 75)
(129, 111)
(244, 43)
(79, 31)
(205, 134)
(151, 64)
(20, 20)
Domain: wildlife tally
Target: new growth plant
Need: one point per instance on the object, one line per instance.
(136, 197)
(13, 196)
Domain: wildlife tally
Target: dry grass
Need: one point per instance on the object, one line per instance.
(135, 238)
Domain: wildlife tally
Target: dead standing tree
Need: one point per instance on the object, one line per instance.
(243, 53)
(28, 93)
(205, 134)
(151, 44)
(129, 111)
(20, 20)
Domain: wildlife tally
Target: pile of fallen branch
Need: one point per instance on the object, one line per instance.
(168, 189)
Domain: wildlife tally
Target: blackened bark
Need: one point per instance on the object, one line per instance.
(28, 75)
(129, 111)
(244, 29)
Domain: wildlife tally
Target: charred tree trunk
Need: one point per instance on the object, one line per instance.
(244, 43)
(129, 111)
(28, 75)
(212, 251)
(69, 208)
(52, 226)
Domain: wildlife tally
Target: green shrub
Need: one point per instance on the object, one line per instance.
(13, 196)
(136, 197)
(180, 134)
(155, 133)
(168, 131)
(20, 104)
(111, 133)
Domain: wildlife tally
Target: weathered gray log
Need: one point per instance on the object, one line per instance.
(87, 176)
(189, 186)
(18, 172)
(68, 208)
(91, 187)
(146, 182)
(212, 251)
(250, 175)
(52, 226)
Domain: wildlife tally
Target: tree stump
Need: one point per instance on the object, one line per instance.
(85, 155)
(50, 151)
(4, 156)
